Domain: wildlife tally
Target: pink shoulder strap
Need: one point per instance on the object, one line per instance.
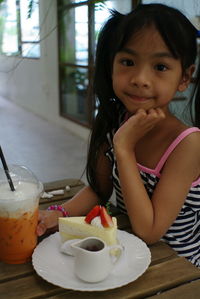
(173, 146)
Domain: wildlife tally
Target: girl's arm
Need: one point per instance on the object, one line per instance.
(150, 219)
(48, 220)
(83, 201)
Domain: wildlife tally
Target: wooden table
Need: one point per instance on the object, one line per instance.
(168, 275)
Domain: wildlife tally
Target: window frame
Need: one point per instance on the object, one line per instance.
(89, 101)
(21, 42)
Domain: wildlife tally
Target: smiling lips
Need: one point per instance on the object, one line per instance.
(139, 98)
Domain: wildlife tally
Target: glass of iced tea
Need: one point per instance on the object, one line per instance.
(18, 215)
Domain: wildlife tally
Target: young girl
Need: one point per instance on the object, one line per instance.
(137, 146)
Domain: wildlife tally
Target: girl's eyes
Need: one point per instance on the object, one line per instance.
(161, 67)
(127, 62)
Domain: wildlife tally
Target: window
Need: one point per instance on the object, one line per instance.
(19, 28)
(79, 23)
(30, 36)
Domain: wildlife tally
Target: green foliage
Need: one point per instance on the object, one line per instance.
(31, 4)
(30, 7)
(108, 208)
(98, 1)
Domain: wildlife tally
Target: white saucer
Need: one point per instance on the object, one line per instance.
(66, 247)
(58, 268)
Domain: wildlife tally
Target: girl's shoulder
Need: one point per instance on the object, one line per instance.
(176, 131)
(190, 141)
(187, 139)
(184, 153)
(189, 134)
(186, 143)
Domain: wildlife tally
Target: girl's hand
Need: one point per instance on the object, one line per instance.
(48, 221)
(136, 127)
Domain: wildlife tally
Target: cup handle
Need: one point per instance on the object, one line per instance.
(115, 252)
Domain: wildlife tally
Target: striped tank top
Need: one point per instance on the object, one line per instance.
(184, 234)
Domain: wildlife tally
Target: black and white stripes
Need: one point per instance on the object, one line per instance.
(184, 234)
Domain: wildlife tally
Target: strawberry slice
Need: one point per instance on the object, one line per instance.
(106, 219)
(92, 214)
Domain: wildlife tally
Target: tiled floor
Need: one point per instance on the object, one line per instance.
(51, 152)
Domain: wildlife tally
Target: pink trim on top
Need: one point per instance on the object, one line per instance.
(148, 170)
(166, 154)
(197, 182)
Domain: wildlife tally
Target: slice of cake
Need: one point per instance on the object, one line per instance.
(98, 223)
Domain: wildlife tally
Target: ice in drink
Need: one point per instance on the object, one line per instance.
(18, 218)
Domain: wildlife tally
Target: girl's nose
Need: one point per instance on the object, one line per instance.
(140, 78)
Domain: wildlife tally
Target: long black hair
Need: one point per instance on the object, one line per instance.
(180, 37)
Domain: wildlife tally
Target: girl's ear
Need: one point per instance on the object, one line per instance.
(186, 79)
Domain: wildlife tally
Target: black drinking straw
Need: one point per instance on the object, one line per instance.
(5, 167)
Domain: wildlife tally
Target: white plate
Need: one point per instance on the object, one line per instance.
(57, 268)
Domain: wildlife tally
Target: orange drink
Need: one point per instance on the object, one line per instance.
(18, 237)
(18, 221)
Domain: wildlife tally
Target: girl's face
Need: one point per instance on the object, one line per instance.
(145, 74)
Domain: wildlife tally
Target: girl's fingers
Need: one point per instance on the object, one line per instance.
(137, 126)
(155, 115)
(156, 112)
(41, 229)
(47, 220)
(161, 113)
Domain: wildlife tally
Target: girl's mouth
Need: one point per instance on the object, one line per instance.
(136, 98)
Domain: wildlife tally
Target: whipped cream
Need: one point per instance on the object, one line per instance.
(96, 222)
(24, 198)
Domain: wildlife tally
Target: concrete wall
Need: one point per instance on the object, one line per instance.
(33, 83)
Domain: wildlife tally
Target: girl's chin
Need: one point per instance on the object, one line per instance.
(132, 112)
